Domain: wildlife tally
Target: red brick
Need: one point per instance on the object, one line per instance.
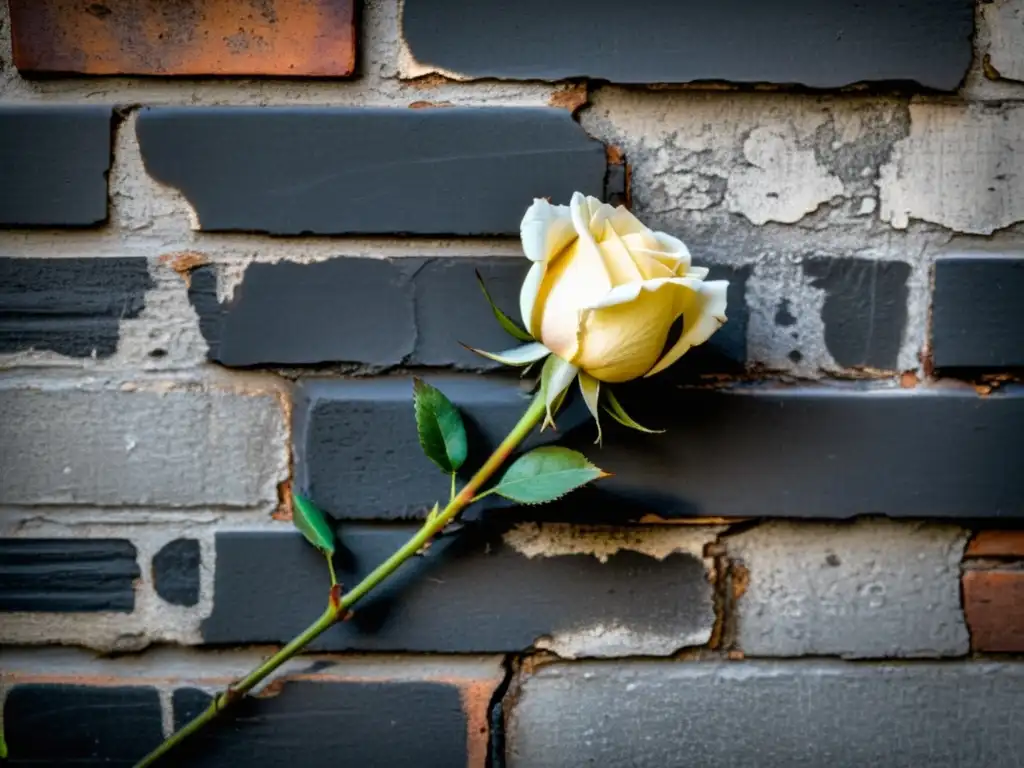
(994, 608)
(996, 544)
(279, 38)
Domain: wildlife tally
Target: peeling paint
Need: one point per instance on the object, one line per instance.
(1004, 21)
(612, 640)
(559, 539)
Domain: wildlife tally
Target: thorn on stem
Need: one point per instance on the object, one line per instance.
(335, 596)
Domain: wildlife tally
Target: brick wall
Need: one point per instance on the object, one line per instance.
(215, 289)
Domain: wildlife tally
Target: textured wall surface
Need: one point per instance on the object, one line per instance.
(232, 232)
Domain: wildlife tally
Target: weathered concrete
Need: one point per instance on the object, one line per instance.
(767, 715)
(1004, 21)
(136, 447)
(870, 589)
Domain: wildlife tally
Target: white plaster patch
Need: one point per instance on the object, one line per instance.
(616, 640)
(657, 541)
(782, 182)
(960, 167)
(1004, 20)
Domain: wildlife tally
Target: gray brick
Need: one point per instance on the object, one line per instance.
(54, 162)
(817, 452)
(139, 448)
(67, 575)
(474, 592)
(874, 588)
(822, 45)
(80, 725)
(978, 310)
(865, 309)
(382, 312)
(327, 170)
(176, 571)
(768, 715)
(331, 723)
(70, 306)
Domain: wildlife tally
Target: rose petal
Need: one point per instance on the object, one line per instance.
(528, 296)
(621, 266)
(703, 313)
(573, 282)
(546, 230)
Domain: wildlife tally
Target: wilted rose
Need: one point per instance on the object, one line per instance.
(604, 290)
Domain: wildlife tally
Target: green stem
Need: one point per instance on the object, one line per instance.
(337, 608)
(452, 496)
(330, 567)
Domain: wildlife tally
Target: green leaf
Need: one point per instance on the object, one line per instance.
(545, 474)
(504, 320)
(524, 355)
(617, 412)
(313, 524)
(442, 433)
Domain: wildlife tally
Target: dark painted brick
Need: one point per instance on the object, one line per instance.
(67, 575)
(410, 311)
(978, 311)
(176, 571)
(822, 45)
(381, 312)
(80, 725)
(326, 170)
(865, 309)
(994, 609)
(70, 306)
(332, 724)
(769, 715)
(204, 37)
(471, 592)
(54, 162)
(825, 452)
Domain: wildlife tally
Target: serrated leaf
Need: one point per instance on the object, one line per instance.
(441, 431)
(617, 412)
(545, 474)
(520, 356)
(313, 524)
(510, 326)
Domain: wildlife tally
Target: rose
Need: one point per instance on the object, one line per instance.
(604, 290)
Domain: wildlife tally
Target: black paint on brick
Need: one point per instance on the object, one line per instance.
(176, 571)
(331, 724)
(53, 163)
(370, 311)
(821, 45)
(67, 575)
(80, 725)
(865, 309)
(470, 593)
(978, 311)
(409, 311)
(326, 170)
(70, 306)
(817, 452)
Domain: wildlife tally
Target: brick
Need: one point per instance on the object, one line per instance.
(994, 607)
(996, 544)
(438, 602)
(817, 452)
(768, 714)
(865, 309)
(70, 306)
(139, 448)
(67, 575)
(326, 170)
(76, 724)
(319, 723)
(958, 168)
(873, 589)
(978, 310)
(808, 43)
(205, 37)
(176, 571)
(1005, 22)
(54, 162)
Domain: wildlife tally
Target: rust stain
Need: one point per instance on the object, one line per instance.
(996, 544)
(430, 104)
(183, 262)
(651, 519)
(735, 656)
(572, 99)
(614, 154)
(284, 511)
(983, 389)
(990, 71)
(271, 689)
(428, 82)
(740, 580)
(908, 380)
(277, 38)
